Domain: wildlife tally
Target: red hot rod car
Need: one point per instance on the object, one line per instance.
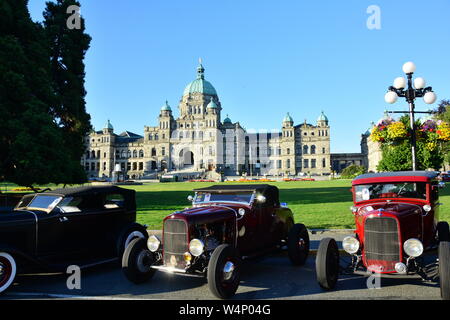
(226, 224)
(396, 217)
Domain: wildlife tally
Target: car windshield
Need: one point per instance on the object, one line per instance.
(40, 202)
(243, 197)
(415, 190)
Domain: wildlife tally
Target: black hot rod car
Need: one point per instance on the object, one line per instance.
(75, 226)
(226, 224)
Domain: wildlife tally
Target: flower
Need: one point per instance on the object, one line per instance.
(396, 130)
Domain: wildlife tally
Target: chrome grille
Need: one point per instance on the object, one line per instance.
(381, 244)
(175, 243)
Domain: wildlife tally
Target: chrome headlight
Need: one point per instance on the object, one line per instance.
(413, 247)
(153, 243)
(241, 211)
(350, 244)
(427, 208)
(196, 247)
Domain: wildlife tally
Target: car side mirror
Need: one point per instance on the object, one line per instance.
(261, 199)
(190, 198)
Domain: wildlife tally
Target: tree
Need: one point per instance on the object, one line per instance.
(34, 146)
(443, 113)
(352, 171)
(68, 48)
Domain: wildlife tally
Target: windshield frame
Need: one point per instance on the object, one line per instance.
(54, 204)
(252, 199)
(426, 199)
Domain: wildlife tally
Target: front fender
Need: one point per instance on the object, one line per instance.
(23, 260)
(286, 217)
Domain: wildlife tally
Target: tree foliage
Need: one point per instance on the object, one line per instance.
(352, 171)
(34, 147)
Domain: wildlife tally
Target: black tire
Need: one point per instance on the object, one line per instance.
(327, 263)
(298, 244)
(444, 269)
(136, 261)
(443, 231)
(8, 270)
(219, 286)
(135, 230)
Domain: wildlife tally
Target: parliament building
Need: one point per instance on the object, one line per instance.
(201, 142)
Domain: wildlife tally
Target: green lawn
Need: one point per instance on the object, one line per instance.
(317, 204)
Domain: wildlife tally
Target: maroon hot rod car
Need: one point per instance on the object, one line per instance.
(226, 224)
(396, 217)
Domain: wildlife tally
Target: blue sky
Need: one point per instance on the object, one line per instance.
(264, 58)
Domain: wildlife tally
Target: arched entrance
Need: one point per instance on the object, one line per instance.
(186, 158)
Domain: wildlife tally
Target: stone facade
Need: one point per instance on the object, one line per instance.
(200, 141)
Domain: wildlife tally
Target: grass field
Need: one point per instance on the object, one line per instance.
(317, 204)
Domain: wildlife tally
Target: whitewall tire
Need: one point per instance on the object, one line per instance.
(8, 269)
(133, 235)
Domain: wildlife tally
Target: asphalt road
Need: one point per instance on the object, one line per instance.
(272, 277)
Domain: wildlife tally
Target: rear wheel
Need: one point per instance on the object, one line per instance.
(8, 269)
(444, 269)
(298, 244)
(137, 261)
(443, 231)
(327, 263)
(224, 272)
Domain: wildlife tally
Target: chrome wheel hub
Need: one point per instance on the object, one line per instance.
(228, 270)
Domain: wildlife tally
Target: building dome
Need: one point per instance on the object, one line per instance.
(322, 117)
(212, 105)
(227, 120)
(108, 125)
(288, 118)
(200, 85)
(166, 107)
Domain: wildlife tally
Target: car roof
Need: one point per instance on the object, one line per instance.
(237, 187)
(88, 190)
(395, 176)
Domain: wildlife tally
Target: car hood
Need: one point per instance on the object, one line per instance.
(399, 209)
(207, 214)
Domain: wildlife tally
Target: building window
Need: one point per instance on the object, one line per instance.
(323, 150)
(98, 154)
(324, 163)
(92, 166)
(128, 166)
(134, 154)
(104, 154)
(313, 163)
(163, 151)
(313, 149)
(141, 166)
(278, 164)
(104, 166)
(141, 153)
(134, 166)
(288, 151)
(153, 152)
(288, 163)
(129, 154)
(305, 163)
(305, 149)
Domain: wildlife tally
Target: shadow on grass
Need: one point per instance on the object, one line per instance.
(173, 200)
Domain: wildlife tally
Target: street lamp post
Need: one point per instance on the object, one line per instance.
(410, 90)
